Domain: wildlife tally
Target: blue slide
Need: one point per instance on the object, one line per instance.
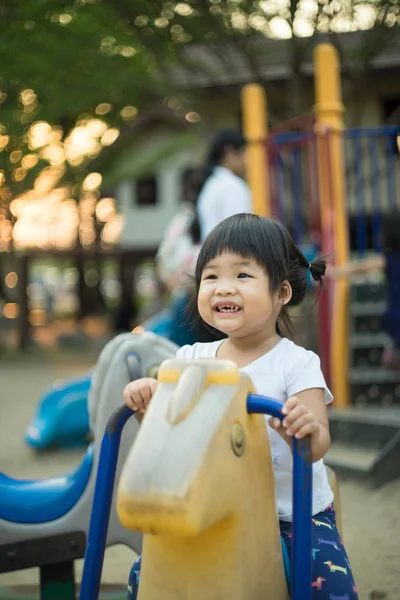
(62, 417)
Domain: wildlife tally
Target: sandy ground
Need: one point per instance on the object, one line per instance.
(371, 518)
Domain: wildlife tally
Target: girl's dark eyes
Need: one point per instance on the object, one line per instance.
(240, 276)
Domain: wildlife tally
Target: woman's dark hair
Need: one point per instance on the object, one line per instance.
(224, 139)
(269, 243)
(192, 182)
(391, 231)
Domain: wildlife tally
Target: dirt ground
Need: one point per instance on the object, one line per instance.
(370, 518)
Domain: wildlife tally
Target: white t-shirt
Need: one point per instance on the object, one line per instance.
(284, 371)
(224, 194)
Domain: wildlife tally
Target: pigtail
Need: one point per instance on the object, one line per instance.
(317, 270)
(317, 267)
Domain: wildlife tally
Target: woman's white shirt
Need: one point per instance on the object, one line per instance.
(224, 194)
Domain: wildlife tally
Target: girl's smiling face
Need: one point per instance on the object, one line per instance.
(235, 298)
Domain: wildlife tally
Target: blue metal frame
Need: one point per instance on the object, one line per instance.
(360, 194)
(390, 174)
(384, 130)
(297, 190)
(103, 493)
(102, 499)
(282, 208)
(373, 176)
(301, 575)
(374, 183)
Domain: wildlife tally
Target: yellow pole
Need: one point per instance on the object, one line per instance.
(329, 111)
(254, 106)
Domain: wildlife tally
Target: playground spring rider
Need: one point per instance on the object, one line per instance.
(170, 408)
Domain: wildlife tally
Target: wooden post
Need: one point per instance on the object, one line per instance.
(80, 267)
(329, 110)
(254, 106)
(23, 318)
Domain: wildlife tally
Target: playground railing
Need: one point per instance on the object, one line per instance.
(372, 159)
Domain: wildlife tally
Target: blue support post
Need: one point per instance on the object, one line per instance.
(299, 205)
(102, 499)
(359, 189)
(302, 501)
(373, 146)
(390, 173)
(349, 179)
(284, 209)
(279, 190)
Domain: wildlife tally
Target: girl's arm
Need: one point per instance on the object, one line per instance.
(306, 414)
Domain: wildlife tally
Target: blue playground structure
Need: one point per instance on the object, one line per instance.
(62, 417)
(44, 522)
(299, 579)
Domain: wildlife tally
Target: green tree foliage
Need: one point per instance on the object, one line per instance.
(64, 62)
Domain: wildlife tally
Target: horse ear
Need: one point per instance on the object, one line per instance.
(191, 385)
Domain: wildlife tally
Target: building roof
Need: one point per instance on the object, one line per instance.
(214, 65)
(120, 161)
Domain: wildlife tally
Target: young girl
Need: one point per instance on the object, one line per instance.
(249, 273)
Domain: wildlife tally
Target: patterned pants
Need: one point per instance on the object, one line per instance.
(332, 577)
(133, 581)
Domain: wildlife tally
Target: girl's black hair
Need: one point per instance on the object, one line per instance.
(268, 242)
